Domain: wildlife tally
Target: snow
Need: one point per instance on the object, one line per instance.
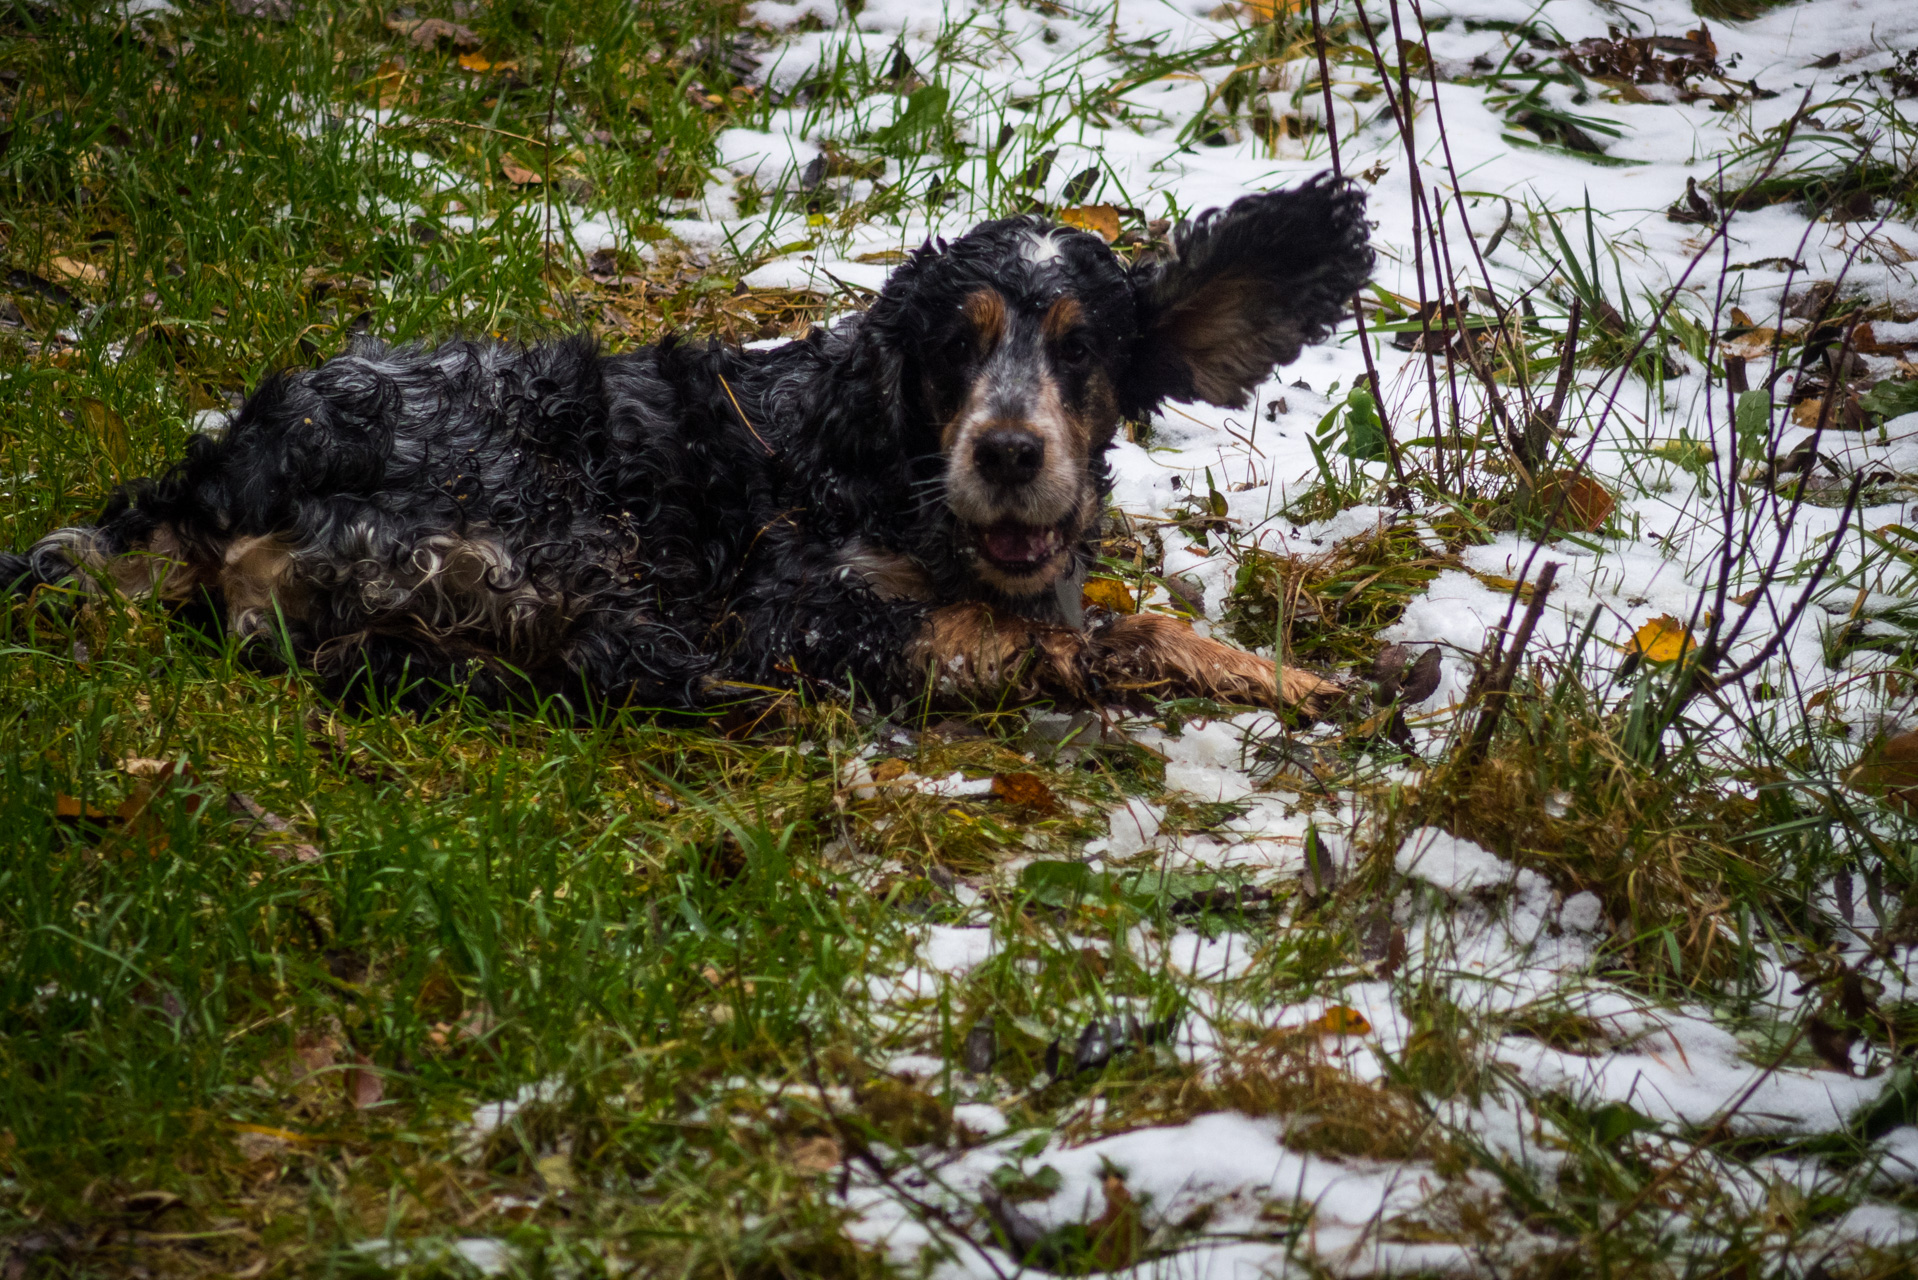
(1446, 862)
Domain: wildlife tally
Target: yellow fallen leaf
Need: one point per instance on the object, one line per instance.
(73, 269)
(1740, 319)
(1663, 639)
(1100, 219)
(1109, 593)
(1338, 1021)
(1270, 10)
(889, 770)
(1497, 583)
(107, 426)
(475, 62)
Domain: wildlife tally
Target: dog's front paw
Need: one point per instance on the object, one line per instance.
(1153, 655)
(970, 652)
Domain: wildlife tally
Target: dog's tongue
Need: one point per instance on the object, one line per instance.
(1017, 543)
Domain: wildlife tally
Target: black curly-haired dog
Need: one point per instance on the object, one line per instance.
(904, 502)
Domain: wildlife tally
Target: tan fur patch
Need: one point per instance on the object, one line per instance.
(892, 575)
(986, 309)
(255, 575)
(971, 652)
(1061, 318)
(158, 569)
(1151, 654)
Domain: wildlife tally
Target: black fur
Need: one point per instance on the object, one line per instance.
(662, 527)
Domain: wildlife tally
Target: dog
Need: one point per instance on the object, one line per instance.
(904, 505)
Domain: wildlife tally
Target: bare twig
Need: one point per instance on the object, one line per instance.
(1499, 684)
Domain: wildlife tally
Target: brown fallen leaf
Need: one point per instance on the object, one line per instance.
(1890, 769)
(365, 1086)
(1848, 415)
(428, 33)
(108, 427)
(1110, 594)
(1580, 502)
(1117, 1236)
(1100, 219)
(1024, 790)
(890, 770)
(518, 174)
(1865, 340)
(814, 1155)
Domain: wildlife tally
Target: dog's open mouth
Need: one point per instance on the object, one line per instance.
(1020, 548)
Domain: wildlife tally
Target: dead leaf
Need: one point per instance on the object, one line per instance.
(428, 33)
(1891, 770)
(265, 826)
(814, 1155)
(108, 427)
(440, 997)
(1116, 1237)
(1663, 639)
(365, 1087)
(1756, 344)
(1422, 681)
(1580, 502)
(150, 1202)
(1100, 219)
(1849, 416)
(478, 63)
(889, 770)
(1338, 1020)
(1831, 1044)
(1865, 339)
(73, 269)
(518, 174)
(556, 1171)
(1497, 583)
(1108, 593)
(1270, 10)
(1026, 790)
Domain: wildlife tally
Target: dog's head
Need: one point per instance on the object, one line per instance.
(1020, 347)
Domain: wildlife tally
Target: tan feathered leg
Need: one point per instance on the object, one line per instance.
(1149, 653)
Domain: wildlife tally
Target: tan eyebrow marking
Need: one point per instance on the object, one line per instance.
(987, 312)
(1061, 317)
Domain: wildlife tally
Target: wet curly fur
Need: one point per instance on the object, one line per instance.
(909, 496)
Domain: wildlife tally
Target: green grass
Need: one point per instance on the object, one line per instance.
(234, 1046)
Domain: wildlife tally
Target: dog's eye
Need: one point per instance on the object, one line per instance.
(960, 348)
(1074, 350)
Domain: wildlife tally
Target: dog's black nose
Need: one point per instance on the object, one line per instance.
(1008, 455)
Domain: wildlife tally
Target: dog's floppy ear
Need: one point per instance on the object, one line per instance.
(1244, 289)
